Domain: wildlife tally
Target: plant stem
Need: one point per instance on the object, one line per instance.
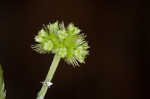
(49, 76)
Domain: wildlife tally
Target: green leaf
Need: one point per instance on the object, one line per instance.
(2, 90)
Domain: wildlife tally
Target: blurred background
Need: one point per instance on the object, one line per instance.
(117, 31)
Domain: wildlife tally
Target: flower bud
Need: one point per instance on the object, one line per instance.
(48, 45)
(38, 39)
(62, 34)
(62, 52)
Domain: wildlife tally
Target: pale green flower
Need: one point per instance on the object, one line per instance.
(62, 52)
(38, 39)
(62, 34)
(47, 46)
(67, 42)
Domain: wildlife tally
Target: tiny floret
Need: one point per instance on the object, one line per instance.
(62, 52)
(47, 46)
(62, 34)
(69, 43)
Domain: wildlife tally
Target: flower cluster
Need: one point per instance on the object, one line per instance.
(67, 42)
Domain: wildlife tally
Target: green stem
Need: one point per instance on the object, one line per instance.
(49, 77)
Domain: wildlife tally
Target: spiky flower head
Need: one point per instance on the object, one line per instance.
(67, 42)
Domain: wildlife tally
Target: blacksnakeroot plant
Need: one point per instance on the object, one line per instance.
(66, 43)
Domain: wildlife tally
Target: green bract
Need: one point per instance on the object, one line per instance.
(67, 42)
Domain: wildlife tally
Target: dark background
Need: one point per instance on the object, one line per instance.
(118, 34)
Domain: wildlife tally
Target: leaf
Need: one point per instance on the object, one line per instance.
(2, 90)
